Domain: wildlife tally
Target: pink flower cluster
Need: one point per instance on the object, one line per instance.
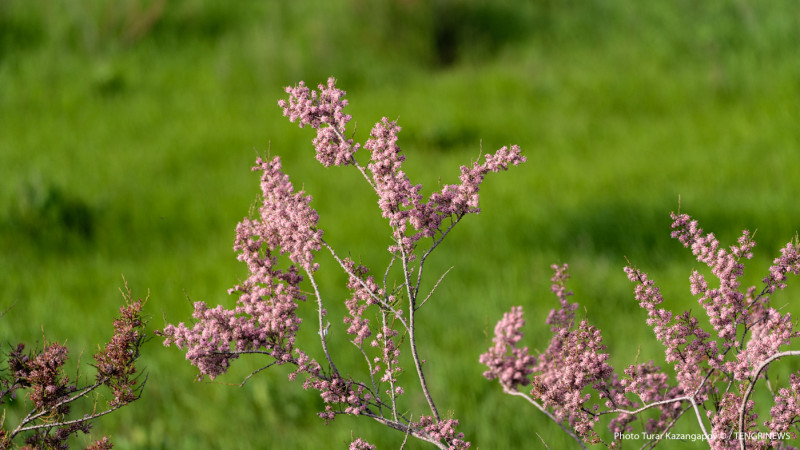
(725, 420)
(651, 385)
(442, 431)
(390, 355)
(398, 199)
(563, 317)
(574, 360)
(360, 444)
(461, 199)
(769, 330)
(360, 300)
(685, 343)
(785, 411)
(725, 306)
(287, 222)
(264, 318)
(506, 362)
(336, 391)
(789, 261)
(316, 109)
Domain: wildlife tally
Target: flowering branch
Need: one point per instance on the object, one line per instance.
(265, 319)
(576, 386)
(52, 395)
(761, 367)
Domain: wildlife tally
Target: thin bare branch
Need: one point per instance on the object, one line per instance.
(322, 330)
(255, 372)
(547, 413)
(406, 429)
(412, 307)
(751, 385)
(434, 287)
(388, 362)
(543, 441)
(21, 428)
(386, 273)
(652, 443)
(425, 255)
(31, 416)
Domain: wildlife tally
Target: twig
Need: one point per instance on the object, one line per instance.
(405, 439)
(436, 242)
(256, 371)
(21, 428)
(653, 442)
(322, 330)
(412, 307)
(699, 418)
(408, 429)
(31, 416)
(547, 413)
(435, 286)
(743, 407)
(68, 422)
(388, 366)
(543, 441)
(371, 375)
(386, 274)
(645, 407)
(8, 309)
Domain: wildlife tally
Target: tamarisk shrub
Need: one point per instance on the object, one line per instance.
(715, 369)
(381, 315)
(50, 394)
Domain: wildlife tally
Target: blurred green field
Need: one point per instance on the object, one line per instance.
(127, 133)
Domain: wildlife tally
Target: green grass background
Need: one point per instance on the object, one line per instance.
(128, 129)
